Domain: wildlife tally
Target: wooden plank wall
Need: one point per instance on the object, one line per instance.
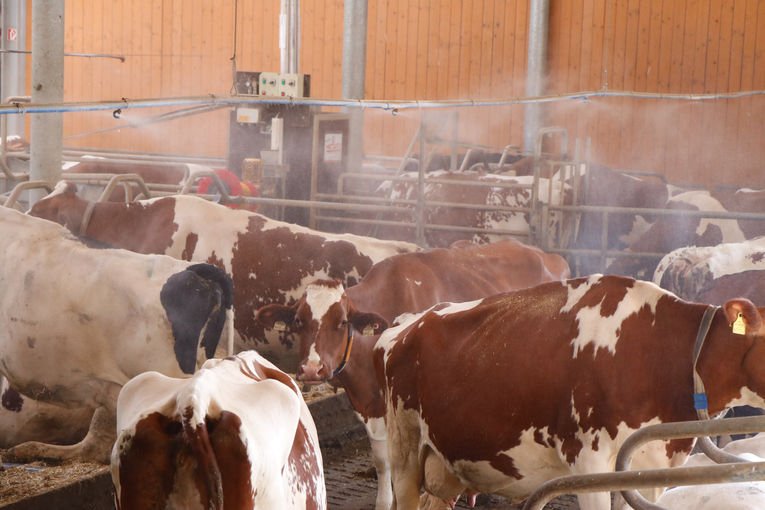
(447, 49)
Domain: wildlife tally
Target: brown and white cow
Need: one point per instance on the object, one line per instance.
(502, 394)
(268, 260)
(77, 323)
(593, 185)
(237, 434)
(668, 233)
(714, 274)
(330, 319)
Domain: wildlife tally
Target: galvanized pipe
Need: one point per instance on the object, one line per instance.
(645, 479)
(536, 65)
(392, 106)
(651, 478)
(354, 73)
(47, 87)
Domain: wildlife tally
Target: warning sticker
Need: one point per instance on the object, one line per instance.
(333, 147)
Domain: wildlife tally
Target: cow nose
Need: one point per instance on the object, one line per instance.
(312, 373)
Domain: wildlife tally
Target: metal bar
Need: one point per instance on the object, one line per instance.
(393, 106)
(420, 218)
(651, 478)
(645, 479)
(666, 431)
(121, 58)
(124, 179)
(23, 186)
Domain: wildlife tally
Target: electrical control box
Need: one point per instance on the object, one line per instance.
(291, 85)
(283, 85)
(268, 84)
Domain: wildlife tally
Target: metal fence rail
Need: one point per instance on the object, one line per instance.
(651, 478)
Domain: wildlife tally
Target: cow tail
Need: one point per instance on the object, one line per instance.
(207, 470)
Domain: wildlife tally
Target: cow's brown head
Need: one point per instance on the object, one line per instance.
(62, 205)
(325, 320)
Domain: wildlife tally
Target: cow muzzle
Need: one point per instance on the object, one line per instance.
(312, 373)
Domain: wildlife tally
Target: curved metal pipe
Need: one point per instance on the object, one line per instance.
(628, 481)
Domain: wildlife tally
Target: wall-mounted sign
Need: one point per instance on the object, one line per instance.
(333, 147)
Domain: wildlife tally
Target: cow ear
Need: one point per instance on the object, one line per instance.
(743, 317)
(369, 323)
(275, 316)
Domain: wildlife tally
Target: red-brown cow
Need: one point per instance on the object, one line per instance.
(237, 434)
(268, 260)
(502, 394)
(326, 316)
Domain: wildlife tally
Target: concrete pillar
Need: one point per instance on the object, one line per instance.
(47, 87)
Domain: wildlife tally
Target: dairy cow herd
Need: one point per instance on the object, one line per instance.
(158, 336)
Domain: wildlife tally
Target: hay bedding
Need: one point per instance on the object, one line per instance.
(18, 482)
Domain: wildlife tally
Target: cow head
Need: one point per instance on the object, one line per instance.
(324, 320)
(62, 205)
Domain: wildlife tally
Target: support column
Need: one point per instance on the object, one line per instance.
(47, 87)
(539, 17)
(354, 74)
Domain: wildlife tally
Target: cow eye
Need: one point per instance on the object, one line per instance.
(344, 323)
(297, 323)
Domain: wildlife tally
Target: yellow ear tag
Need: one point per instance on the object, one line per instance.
(368, 331)
(739, 328)
(280, 326)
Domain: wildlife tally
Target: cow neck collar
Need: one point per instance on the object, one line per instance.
(347, 353)
(699, 394)
(86, 217)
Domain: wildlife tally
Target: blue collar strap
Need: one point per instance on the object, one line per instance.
(699, 394)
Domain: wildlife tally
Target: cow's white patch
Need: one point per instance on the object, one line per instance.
(313, 356)
(458, 307)
(217, 229)
(747, 398)
(601, 330)
(320, 298)
(704, 201)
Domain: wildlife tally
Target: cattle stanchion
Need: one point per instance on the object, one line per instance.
(628, 481)
(13, 198)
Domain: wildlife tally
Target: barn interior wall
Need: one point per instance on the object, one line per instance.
(445, 49)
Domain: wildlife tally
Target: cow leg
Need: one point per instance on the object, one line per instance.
(588, 462)
(382, 466)
(405, 467)
(95, 447)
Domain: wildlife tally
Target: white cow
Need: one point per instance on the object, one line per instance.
(725, 496)
(76, 323)
(237, 434)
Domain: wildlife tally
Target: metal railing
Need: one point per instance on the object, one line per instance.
(629, 481)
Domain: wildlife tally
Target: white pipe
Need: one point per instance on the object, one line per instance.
(289, 36)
